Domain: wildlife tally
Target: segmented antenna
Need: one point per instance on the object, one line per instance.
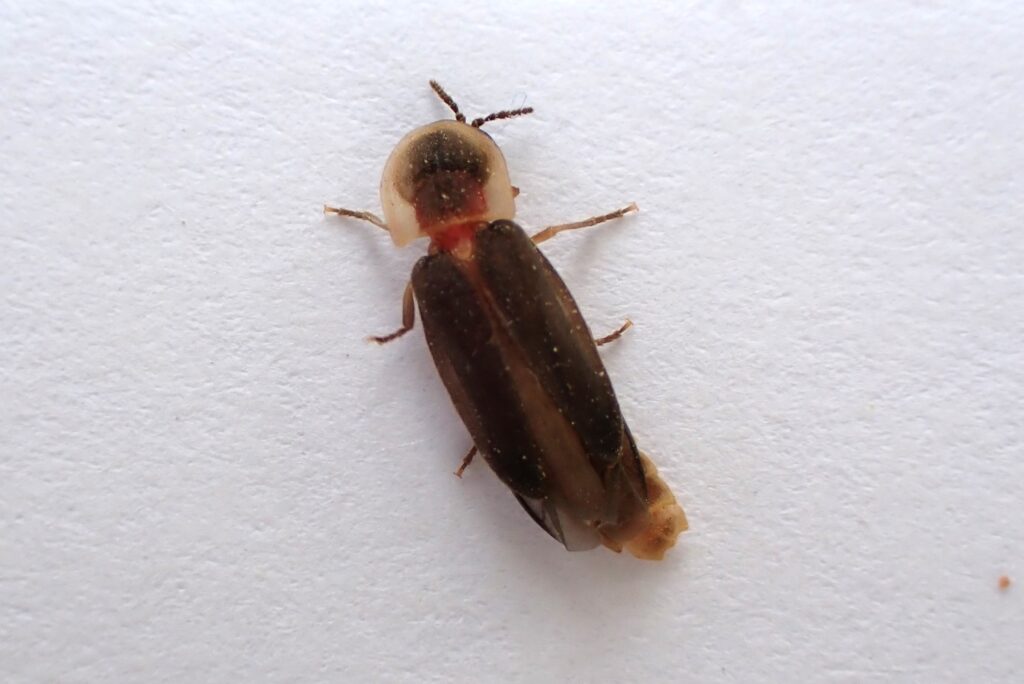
(503, 114)
(447, 99)
(478, 122)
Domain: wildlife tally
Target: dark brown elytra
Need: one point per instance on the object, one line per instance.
(524, 374)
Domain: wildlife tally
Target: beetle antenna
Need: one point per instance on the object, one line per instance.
(447, 99)
(503, 114)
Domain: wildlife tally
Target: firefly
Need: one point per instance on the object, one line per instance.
(508, 340)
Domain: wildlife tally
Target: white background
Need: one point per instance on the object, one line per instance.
(208, 475)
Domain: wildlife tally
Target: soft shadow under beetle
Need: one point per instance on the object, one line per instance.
(511, 346)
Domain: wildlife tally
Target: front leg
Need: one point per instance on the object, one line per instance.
(367, 216)
(552, 231)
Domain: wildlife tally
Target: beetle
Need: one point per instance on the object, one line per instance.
(511, 346)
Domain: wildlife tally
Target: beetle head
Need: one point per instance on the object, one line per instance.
(445, 174)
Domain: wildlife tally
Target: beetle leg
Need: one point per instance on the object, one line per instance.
(408, 318)
(361, 215)
(614, 335)
(466, 460)
(552, 231)
(515, 191)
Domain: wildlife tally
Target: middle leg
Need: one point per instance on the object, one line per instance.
(408, 318)
(615, 334)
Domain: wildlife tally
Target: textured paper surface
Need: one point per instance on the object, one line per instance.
(207, 475)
